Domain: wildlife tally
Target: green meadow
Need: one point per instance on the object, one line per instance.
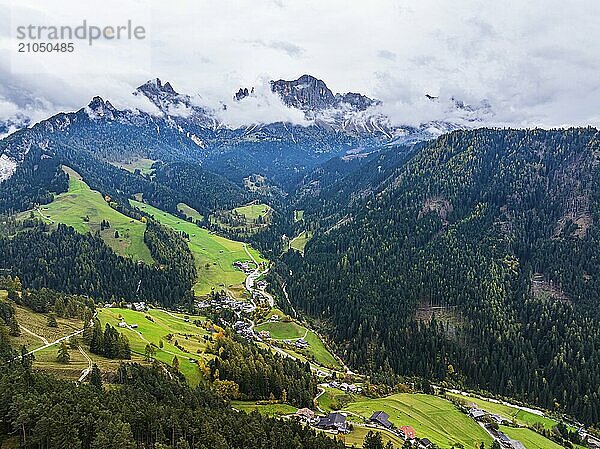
(521, 417)
(186, 334)
(529, 438)
(142, 164)
(214, 255)
(253, 211)
(189, 212)
(282, 330)
(299, 242)
(431, 416)
(290, 330)
(84, 209)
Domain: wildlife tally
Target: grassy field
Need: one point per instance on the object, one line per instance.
(330, 400)
(45, 359)
(214, 255)
(320, 351)
(281, 330)
(243, 219)
(299, 242)
(431, 416)
(264, 409)
(290, 330)
(38, 324)
(84, 209)
(298, 215)
(187, 334)
(529, 438)
(189, 212)
(521, 417)
(141, 164)
(253, 211)
(357, 436)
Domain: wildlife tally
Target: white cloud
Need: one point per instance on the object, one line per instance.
(261, 106)
(536, 62)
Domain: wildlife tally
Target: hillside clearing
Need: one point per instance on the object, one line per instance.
(214, 255)
(189, 212)
(185, 334)
(521, 417)
(431, 416)
(84, 209)
(529, 438)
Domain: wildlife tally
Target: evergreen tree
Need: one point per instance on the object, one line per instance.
(95, 376)
(63, 353)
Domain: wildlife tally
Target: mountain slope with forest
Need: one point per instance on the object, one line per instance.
(475, 260)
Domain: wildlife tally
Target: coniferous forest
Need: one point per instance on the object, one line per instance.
(147, 408)
(479, 252)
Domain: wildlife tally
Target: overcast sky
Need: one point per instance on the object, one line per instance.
(536, 62)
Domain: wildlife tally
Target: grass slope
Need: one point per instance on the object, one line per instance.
(281, 330)
(214, 255)
(290, 330)
(189, 212)
(529, 438)
(188, 335)
(252, 211)
(79, 202)
(38, 324)
(521, 417)
(299, 242)
(142, 164)
(357, 436)
(431, 416)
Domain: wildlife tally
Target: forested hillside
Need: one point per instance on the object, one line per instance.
(70, 262)
(475, 260)
(146, 407)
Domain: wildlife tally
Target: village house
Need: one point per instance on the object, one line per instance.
(301, 343)
(381, 418)
(305, 414)
(408, 433)
(424, 443)
(335, 422)
(477, 413)
(264, 334)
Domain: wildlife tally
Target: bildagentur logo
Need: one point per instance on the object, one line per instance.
(84, 32)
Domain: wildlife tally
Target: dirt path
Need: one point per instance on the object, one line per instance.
(46, 342)
(54, 342)
(87, 370)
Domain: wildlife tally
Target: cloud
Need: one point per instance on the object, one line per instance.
(292, 50)
(385, 54)
(260, 107)
(536, 63)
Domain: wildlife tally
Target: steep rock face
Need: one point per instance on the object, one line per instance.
(306, 93)
(311, 94)
(175, 105)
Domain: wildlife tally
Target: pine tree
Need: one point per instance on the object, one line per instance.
(373, 441)
(52, 320)
(96, 376)
(63, 353)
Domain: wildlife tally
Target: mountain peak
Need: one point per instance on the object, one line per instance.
(99, 107)
(312, 94)
(155, 87)
(306, 93)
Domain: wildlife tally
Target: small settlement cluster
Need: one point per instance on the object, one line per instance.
(337, 423)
